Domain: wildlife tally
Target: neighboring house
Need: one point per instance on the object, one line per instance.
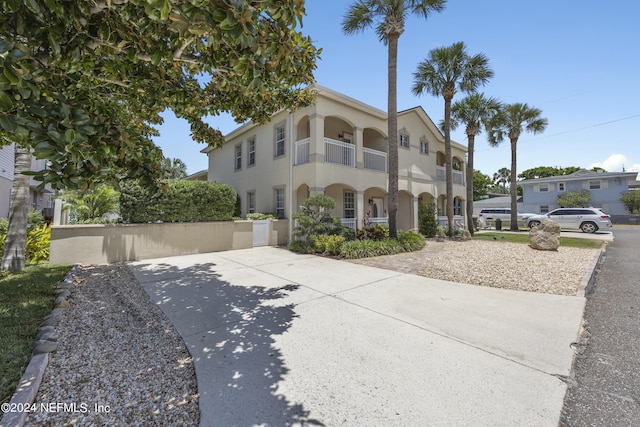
(198, 176)
(338, 147)
(39, 200)
(539, 195)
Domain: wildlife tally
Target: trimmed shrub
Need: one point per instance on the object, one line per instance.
(328, 243)
(374, 232)
(427, 223)
(301, 247)
(407, 241)
(181, 201)
(257, 216)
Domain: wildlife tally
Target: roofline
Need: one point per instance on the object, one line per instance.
(429, 122)
(581, 177)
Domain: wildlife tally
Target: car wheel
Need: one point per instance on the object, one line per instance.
(588, 227)
(533, 224)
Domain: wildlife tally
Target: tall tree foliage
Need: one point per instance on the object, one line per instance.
(502, 178)
(474, 112)
(84, 81)
(446, 70)
(511, 122)
(387, 18)
(547, 171)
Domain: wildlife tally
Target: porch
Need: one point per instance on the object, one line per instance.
(341, 153)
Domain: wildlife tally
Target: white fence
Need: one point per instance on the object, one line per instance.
(338, 152)
(374, 159)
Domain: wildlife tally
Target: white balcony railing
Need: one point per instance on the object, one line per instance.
(458, 176)
(375, 160)
(340, 153)
(352, 222)
(302, 148)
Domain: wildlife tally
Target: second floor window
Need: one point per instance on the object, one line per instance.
(424, 147)
(404, 140)
(280, 137)
(238, 152)
(544, 188)
(251, 152)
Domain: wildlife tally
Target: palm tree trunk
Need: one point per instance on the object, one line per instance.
(448, 163)
(392, 128)
(514, 187)
(470, 148)
(14, 246)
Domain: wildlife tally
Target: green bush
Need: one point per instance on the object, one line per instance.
(329, 244)
(37, 247)
(181, 201)
(257, 216)
(427, 223)
(301, 247)
(374, 232)
(407, 241)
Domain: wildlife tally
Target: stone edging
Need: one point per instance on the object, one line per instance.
(46, 342)
(590, 274)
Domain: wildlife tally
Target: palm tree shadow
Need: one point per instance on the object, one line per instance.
(231, 332)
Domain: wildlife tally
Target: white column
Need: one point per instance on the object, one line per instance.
(359, 140)
(360, 208)
(316, 131)
(416, 201)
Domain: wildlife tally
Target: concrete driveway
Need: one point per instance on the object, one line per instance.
(284, 339)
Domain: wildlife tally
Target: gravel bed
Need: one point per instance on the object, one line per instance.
(118, 351)
(511, 266)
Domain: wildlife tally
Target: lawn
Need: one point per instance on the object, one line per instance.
(25, 299)
(574, 242)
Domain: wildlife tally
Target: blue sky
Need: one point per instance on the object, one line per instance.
(578, 61)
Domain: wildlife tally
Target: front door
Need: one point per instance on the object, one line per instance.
(377, 209)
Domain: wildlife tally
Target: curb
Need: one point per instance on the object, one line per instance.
(591, 273)
(29, 384)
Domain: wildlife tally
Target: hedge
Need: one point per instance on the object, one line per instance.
(181, 201)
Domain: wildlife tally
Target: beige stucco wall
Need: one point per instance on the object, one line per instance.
(98, 244)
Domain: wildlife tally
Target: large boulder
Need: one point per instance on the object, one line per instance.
(545, 236)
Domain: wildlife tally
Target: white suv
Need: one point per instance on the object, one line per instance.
(504, 214)
(589, 220)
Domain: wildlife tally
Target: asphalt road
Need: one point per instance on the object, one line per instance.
(604, 386)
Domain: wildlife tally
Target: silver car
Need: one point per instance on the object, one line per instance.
(589, 220)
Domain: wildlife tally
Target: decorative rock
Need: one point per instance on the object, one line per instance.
(466, 235)
(45, 347)
(45, 330)
(63, 293)
(63, 304)
(59, 300)
(49, 336)
(50, 321)
(546, 236)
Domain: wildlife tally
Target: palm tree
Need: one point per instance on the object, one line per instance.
(512, 120)
(387, 18)
(446, 70)
(13, 258)
(502, 177)
(474, 111)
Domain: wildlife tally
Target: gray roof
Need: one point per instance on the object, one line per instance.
(581, 175)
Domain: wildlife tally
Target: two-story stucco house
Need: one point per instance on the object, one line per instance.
(539, 195)
(338, 147)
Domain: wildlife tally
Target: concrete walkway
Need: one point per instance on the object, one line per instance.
(284, 339)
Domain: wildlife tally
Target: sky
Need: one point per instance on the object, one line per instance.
(577, 61)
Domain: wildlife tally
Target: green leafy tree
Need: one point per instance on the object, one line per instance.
(84, 81)
(547, 171)
(474, 112)
(387, 18)
(481, 185)
(92, 205)
(315, 217)
(511, 122)
(446, 70)
(631, 200)
(574, 199)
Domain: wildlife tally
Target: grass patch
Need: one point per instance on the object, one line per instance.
(25, 298)
(574, 242)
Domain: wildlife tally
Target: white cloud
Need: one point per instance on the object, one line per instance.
(615, 163)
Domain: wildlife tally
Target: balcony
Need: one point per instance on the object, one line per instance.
(341, 153)
(441, 175)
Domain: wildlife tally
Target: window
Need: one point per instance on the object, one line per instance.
(238, 152)
(279, 141)
(251, 152)
(404, 140)
(561, 186)
(543, 188)
(594, 185)
(251, 202)
(544, 209)
(424, 145)
(279, 195)
(349, 205)
(457, 206)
